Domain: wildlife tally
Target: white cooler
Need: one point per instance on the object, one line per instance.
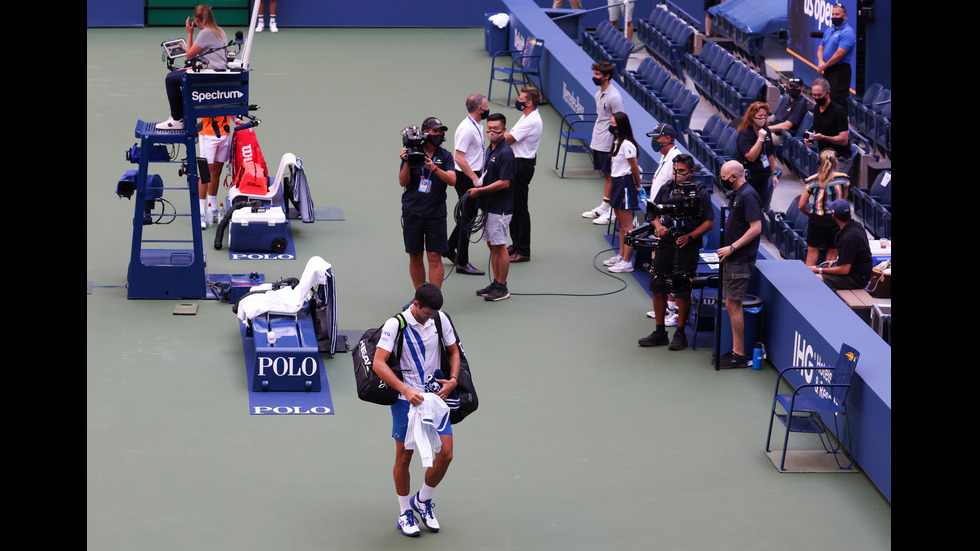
(263, 231)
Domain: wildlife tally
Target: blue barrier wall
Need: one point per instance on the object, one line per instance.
(115, 13)
(805, 325)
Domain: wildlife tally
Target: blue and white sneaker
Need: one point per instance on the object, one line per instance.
(408, 525)
(424, 509)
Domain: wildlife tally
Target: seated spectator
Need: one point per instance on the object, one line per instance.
(852, 270)
(824, 187)
(789, 110)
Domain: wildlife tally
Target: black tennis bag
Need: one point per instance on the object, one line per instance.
(468, 401)
(370, 387)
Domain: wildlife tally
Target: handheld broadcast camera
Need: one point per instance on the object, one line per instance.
(684, 202)
(413, 139)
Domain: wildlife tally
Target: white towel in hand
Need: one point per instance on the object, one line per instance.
(424, 423)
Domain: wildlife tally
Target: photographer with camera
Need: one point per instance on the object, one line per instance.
(743, 229)
(681, 215)
(425, 172)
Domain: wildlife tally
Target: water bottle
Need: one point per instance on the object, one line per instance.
(758, 355)
(642, 195)
(271, 337)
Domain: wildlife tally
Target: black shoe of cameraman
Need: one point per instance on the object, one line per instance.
(657, 338)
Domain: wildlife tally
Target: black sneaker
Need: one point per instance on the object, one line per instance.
(499, 292)
(487, 289)
(657, 338)
(679, 342)
(735, 361)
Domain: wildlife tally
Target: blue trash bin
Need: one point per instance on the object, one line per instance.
(752, 315)
(495, 38)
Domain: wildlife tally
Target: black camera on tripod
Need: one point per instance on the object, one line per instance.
(413, 138)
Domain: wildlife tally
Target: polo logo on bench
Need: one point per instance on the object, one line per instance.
(285, 366)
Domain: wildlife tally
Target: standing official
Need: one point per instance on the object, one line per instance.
(524, 138)
(836, 55)
(743, 229)
(497, 197)
(468, 158)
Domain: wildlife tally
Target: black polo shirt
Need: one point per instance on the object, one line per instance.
(744, 207)
(831, 122)
(499, 166)
(432, 203)
(792, 110)
(853, 249)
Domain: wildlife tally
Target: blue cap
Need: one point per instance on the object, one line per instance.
(839, 207)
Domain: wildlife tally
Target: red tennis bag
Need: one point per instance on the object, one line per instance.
(248, 169)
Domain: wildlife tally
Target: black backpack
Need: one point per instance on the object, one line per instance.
(370, 387)
(468, 401)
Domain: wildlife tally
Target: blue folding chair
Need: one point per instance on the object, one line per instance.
(817, 401)
(568, 133)
(525, 65)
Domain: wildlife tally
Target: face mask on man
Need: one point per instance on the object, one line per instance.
(728, 184)
(484, 114)
(436, 139)
(837, 21)
(598, 81)
(794, 92)
(520, 105)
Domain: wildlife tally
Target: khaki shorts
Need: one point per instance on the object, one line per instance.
(735, 279)
(495, 230)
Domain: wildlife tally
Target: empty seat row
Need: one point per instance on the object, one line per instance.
(786, 230)
(606, 43)
(714, 144)
(666, 37)
(667, 99)
(730, 85)
(874, 206)
(871, 116)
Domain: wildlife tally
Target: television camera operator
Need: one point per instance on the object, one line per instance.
(425, 172)
(680, 215)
